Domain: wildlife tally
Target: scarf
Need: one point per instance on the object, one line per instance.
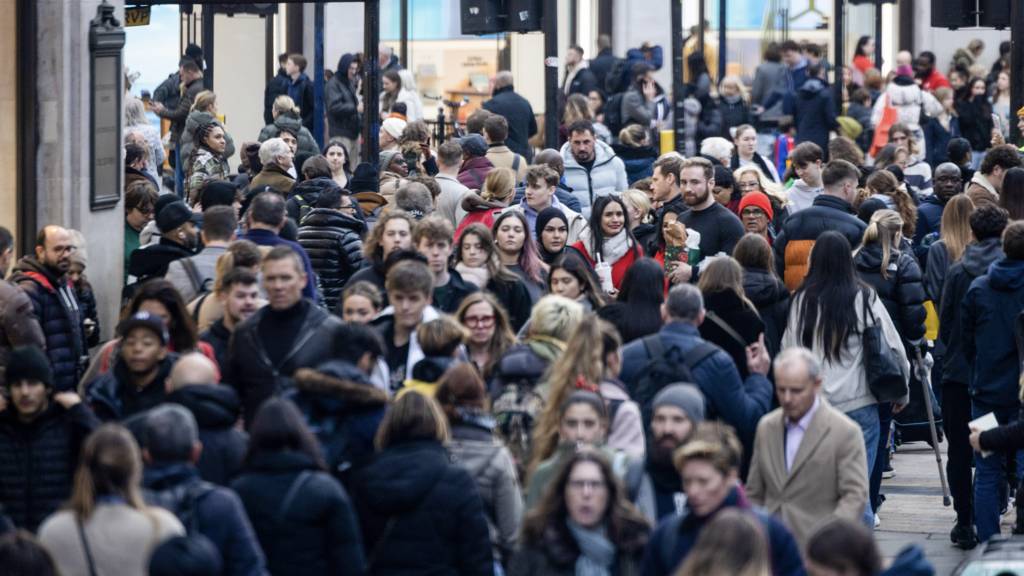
(479, 277)
(597, 553)
(614, 248)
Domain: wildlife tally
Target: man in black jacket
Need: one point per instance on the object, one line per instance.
(344, 110)
(278, 86)
(332, 236)
(300, 88)
(41, 433)
(178, 238)
(239, 295)
(433, 237)
(192, 77)
(291, 333)
(522, 124)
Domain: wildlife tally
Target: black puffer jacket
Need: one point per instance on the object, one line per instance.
(305, 195)
(769, 295)
(38, 461)
(317, 532)
(438, 522)
(151, 261)
(114, 398)
(334, 243)
(56, 308)
(216, 409)
(902, 291)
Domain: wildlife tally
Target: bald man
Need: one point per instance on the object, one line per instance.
(193, 383)
(522, 124)
(553, 160)
(946, 183)
(43, 276)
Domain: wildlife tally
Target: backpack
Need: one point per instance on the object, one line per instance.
(613, 114)
(613, 81)
(181, 501)
(665, 367)
(304, 207)
(199, 284)
(516, 409)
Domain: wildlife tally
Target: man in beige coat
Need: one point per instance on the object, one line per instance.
(809, 463)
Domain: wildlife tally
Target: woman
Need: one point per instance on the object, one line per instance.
(360, 303)
(517, 252)
(731, 320)
(207, 160)
(552, 230)
(288, 117)
(942, 128)
(135, 120)
(584, 525)
(420, 514)
(393, 232)
(975, 112)
(863, 58)
(751, 179)
(473, 446)
(204, 110)
(732, 543)
(912, 104)
(411, 96)
(476, 259)
(578, 107)
(917, 173)
(640, 216)
(746, 153)
(570, 277)
(636, 311)
(844, 547)
(497, 193)
(393, 173)
(106, 527)
(489, 332)
(892, 155)
(637, 153)
(732, 103)
(763, 288)
(883, 185)
(1011, 197)
(609, 242)
(302, 516)
(1001, 102)
(393, 93)
(337, 157)
(954, 237)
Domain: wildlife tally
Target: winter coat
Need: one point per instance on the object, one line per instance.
(278, 86)
(635, 108)
(421, 514)
(217, 336)
(735, 112)
(814, 113)
(274, 177)
(216, 409)
(976, 122)
(619, 267)
(342, 102)
(474, 171)
(179, 115)
(501, 156)
(57, 311)
(523, 364)
(989, 312)
(935, 271)
(938, 136)
(770, 296)
(315, 532)
(901, 292)
(975, 262)
(478, 211)
(19, 325)
(38, 460)
(910, 561)
(909, 101)
(333, 241)
(343, 409)
(606, 176)
(557, 551)
(198, 118)
(214, 512)
(449, 297)
(727, 306)
(522, 124)
(206, 166)
(626, 430)
(929, 219)
(301, 92)
(152, 260)
(113, 397)
(981, 190)
(88, 310)
(793, 244)
(639, 161)
(307, 144)
(768, 89)
(250, 369)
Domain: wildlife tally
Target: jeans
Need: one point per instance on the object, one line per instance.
(179, 173)
(867, 419)
(882, 456)
(976, 158)
(990, 476)
(956, 413)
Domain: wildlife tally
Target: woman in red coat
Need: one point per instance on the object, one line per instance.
(609, 238)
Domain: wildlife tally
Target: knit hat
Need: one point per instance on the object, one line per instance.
(28, 363)
(758, 200)
(364, 179)
(172, 215)
(192, 555)
(163, 200)
(387, 157)
(474, 145)
(896, 171)
(686, 397)
(394, 127)
(547, 215)
(144, 319)
(218, 193)
(723, 177)
(905, 70)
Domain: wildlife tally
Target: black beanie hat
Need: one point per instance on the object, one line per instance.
(28, 363)
(193, 555)
(869, 207)
(173, 215)
(364, 179)
(218, 193)
(163, 200)
(723, 177)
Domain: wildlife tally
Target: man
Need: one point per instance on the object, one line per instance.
(522, 124)
(988, 316)
(449, 159)
(266, 219)
(193, 383)
(194, 275)
(169, 91)
(739, 403)
(926, 72)
(290, 333)
(495, 133)
(809, 463)
(178, 239)
(541, 184)
(987, 225)
(331, 234)
(578, 77)
(806, 159)
(946, 183)
(410, 288)
(433, 237)
(387, 59)
(192, 79)
(239, 297)
(305, 194)
(831, 210)
(666, 187)
(796, 65)
(41, 433)
(300, 87)
(135, 156)
(170, 449)
(139, 201)
(278, 159)
(552, 159)
(591, 167)
(19, 325)
(718, 227)
(44, 278)
(677, 410)
(135, 383)
(602, 64)
(475, 165)
(756, 213)
(987, 182)
(278, 86)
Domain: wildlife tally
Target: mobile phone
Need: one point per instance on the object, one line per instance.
(997, 123)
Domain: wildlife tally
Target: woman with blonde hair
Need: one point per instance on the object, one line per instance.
(106, 527)
(496, 194)
(490, 334)
(733, 543)
(640, 209)
(204, 110)
(731, 320)
(733, 104)
(749, 179)
(288, 118)
(953, 239)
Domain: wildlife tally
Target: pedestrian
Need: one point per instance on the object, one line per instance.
(441, 346)
(476, 259)
(942, 128)
(338, 158)
(578, 107)
(948, 248)
(331, 234)
(289, 119)
(975, 112)
(539, 195)
(746, 152)
(813, 109)
(987, 183)
(18, 324)
(522, 124)
(191, 77)
(300, 87)
(499, 154)
(344, 110)
(495, 195)
(139, 200)
(206, 310)
(193, 276)
(394, 92)
(806, 161)
(592, 169)
(551, 229)
(178, 239)
(641, 217)
(636, 151)
(360, 303)
(266, 220)
(930, 210)
(278, 161)
(608, 243)
(751, 179)
(304, 519)
(737, 533)
(137, 122)
(204, 111)
(517, 252)
(277, 86)
(911, 102)
(490, 334)
(636, 310)
(135, 153)
(763, 288)
(917, 173)
(731, 320)
(449, 201)
(410, 285)
(845, 547)
(1011, 198)
(570, 277)
(719, 228)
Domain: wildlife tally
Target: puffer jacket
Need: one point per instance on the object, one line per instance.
(975, 262)
(606, 176)
(38, 461)
(814, 113)
(307, 144)
(771, 298)
(19, 325)
(333, 241)
(909, 100)
(113, 398)
(216, 408)
(56, 309)
(197, 118)
(902, 291)
(525, 363)
(989, 312)
(152, 260)
(793, 244)
(305, 195)
(342, 103)
(421, 514)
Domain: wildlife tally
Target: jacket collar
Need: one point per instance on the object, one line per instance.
(502, 90)
(835, 202)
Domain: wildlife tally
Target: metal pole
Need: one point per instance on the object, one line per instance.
(371, 65)
(551, 74)
(318, 74)
(1016, 66)
(840, 54)
(700, 17)
(208, 46)
(678, 89)
(878, 35)
(268, 47)
(722, 37)
(403, 47)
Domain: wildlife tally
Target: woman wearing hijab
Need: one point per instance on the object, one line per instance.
(552, 230)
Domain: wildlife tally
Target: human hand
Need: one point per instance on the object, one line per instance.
(997, 137)
(975, 439)
(649, 90)
(681, 273)
(758, 360)
(897, 407)
(67, 399)
(425, 149)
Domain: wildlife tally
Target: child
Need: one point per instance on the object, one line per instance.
(442, 343)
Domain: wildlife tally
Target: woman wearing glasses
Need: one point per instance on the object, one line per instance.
(751, 179)
(489, 332)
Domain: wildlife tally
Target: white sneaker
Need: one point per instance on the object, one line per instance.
(878, 521)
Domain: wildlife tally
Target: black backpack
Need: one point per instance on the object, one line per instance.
(614, 81)
(613, 114)
(181, 501)
(665, 366)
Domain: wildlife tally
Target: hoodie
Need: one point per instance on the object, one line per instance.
(814, 113)
(801, 195)
(990, 310)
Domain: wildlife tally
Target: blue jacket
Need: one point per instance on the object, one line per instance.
(989, 311)
(910, 562)
(268, 238)
(737, 402)
(814, 113)
(937, 139)
(929, 219)
(301, 91)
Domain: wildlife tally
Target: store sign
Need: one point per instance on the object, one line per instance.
(137, 16)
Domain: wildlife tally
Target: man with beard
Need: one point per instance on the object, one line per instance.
(946, 183)
(44, 278)
(719, 228)
(239, 296)
(677, 410)
(591, 167)
(41, 433)
(178, 237)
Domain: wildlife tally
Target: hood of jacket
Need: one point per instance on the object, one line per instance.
(338, 384)
(343, 65)
(978, 256)
(164, 476)
(763, 288)
(869, 259)
(910, 562)
(399, 478)
(29, 267)
(476, 203)
(1006, 275)
(213, 405)
(812, 87)
(310, 189)
(292, 123)
(904, 93)
(331, 218)
(603, 154)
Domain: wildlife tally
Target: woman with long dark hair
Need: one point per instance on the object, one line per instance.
(609, 240)
(1011, 197)
(337, 158)
(207, 160)
(517, 251)
(763, 287)
(302, 516)
(863, 58)
(975, 112)
(731, 320)
(636, 311)
(570, 277)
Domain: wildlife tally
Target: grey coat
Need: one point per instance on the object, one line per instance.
(307, 145)
(769, 87)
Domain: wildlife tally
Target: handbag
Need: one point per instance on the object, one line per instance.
(889, 117)
(881, 362)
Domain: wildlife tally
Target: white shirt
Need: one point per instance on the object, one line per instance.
(795, 433)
